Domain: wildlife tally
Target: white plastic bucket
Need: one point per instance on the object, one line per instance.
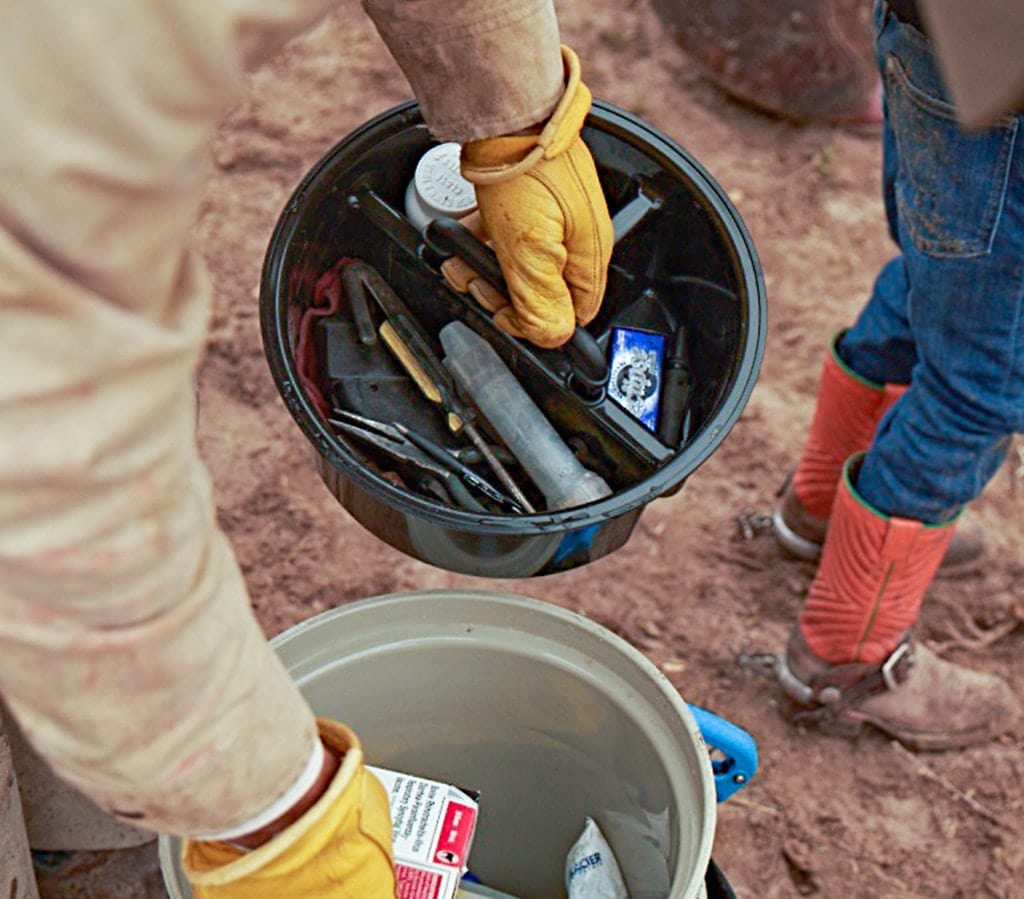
(550, 716)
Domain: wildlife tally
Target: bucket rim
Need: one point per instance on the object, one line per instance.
(604, 117)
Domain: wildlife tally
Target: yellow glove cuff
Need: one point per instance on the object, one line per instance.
(497, 159)
(344, 839)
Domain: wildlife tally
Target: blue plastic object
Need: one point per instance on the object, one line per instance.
(739, 762)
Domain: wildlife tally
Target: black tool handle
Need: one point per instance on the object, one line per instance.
(675, 390)
(448, 237)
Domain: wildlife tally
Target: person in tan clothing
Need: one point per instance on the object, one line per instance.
(129, 655)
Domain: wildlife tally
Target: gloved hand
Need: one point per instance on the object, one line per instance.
(544, 213)
(339, 849)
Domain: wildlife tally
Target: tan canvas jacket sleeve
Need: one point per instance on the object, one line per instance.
(489, 67)
(128, 650)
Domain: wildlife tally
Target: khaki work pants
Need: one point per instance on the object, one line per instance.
(16, 878)
(40, 811)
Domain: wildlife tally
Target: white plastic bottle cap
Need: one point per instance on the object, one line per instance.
(438, 188)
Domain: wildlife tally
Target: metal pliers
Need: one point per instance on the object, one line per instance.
(438, 464)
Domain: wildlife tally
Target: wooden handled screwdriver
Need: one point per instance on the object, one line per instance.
(403, 335)
(456, 416)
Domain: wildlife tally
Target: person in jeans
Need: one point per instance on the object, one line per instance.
(917, 405)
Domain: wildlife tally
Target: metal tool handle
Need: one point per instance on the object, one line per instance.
(352, 282)
(447, 237)
(447, 458)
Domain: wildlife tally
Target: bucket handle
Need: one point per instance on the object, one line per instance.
(447, 237)
(738, 764)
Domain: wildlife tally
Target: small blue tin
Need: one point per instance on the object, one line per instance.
(634, 378)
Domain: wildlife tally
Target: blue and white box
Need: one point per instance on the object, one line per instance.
(634, 377)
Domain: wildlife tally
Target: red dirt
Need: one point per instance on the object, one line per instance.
(824, 817)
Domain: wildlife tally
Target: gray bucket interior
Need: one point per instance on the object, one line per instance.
(548, 715)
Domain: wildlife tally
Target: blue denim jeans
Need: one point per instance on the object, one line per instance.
(946, 316)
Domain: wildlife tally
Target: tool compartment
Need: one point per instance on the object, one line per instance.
(682, 258)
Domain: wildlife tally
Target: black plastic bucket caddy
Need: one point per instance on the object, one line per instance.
(682, 257)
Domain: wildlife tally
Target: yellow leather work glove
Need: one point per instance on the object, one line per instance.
(339, 849)
(545, 214)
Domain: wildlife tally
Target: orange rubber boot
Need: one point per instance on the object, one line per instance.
(872, 577)
(848, 410)
(851, 661)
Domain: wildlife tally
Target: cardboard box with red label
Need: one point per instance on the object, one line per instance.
(432, 832)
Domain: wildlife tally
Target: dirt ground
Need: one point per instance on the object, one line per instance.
(823, 817)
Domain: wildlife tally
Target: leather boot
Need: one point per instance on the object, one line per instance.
(802, 535)
(850, 661)
(847, 413)
(912, 695)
